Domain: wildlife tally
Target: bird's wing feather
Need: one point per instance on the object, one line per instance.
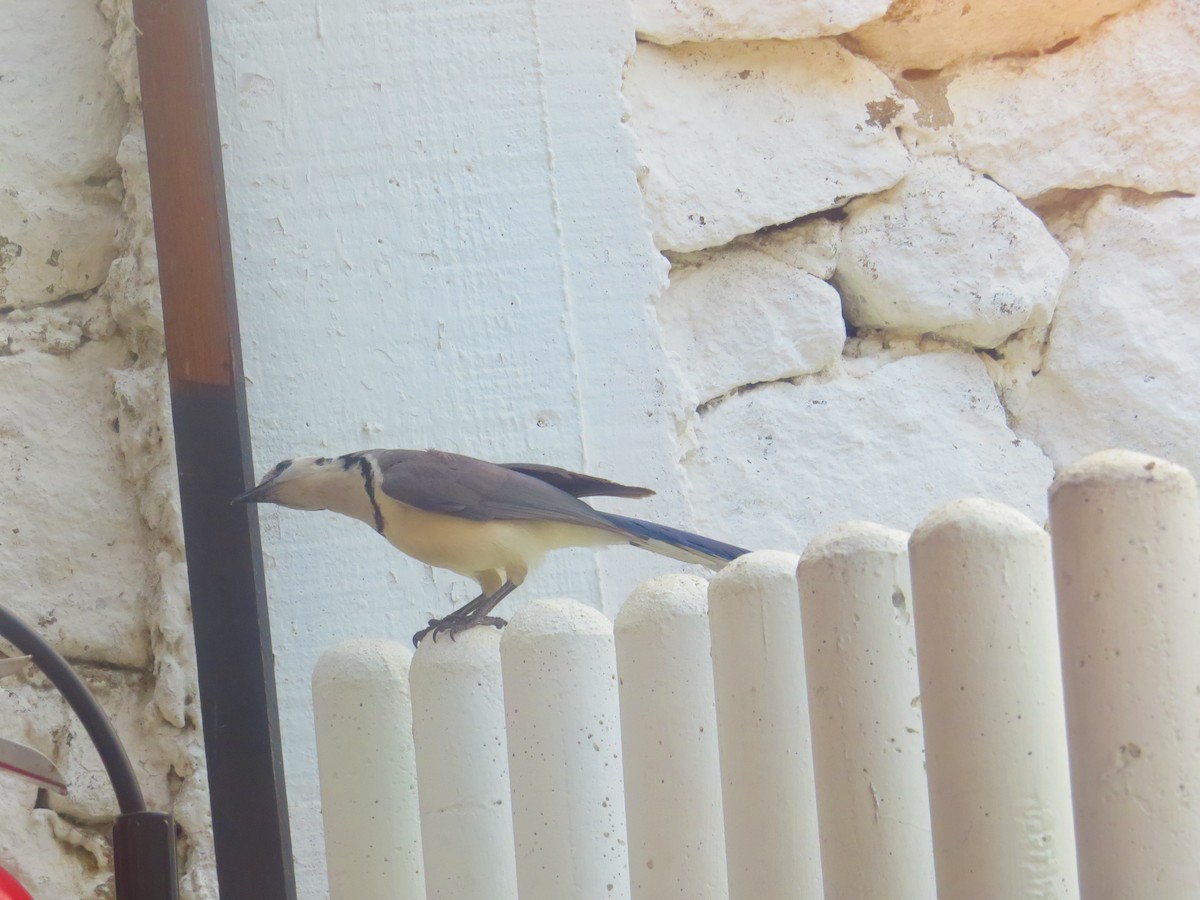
(473, 489)
(577, 484)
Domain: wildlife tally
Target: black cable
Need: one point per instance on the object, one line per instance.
(93, 717)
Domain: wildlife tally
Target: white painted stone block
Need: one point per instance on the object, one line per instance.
(669, 741)
(950, 252)
(992, 704)
(462, 767)
(1127, 565)
(933, 34)
(790, 323)
(887, 446)
(1121, 369)
(1116, 108)
(363, 712)
(564, 745)
(864, 706)
(74, 560)
(736, 136)
(674, 21)
(762, 726)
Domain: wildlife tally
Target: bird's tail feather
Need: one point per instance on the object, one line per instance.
(676, 543)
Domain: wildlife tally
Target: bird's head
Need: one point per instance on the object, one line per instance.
(309, 482)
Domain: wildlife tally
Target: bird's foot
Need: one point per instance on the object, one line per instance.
(453, 624)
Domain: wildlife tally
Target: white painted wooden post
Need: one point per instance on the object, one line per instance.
(462, 768)
(762, 729)
(1127, 564)
(367, 771)
(669, 742)
(863, 696)
(564, 744)
(991, 696)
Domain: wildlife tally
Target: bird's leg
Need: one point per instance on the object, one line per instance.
(465, 610)
(469, 615)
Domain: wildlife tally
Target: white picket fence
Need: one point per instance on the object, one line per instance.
(770, 735)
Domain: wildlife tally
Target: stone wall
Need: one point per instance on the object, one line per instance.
(90, 535)
(921, 252)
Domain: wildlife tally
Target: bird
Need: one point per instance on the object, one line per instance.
(491, 522)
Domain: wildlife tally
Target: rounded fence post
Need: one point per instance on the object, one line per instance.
(462, 768)
(669, 741)
(1127, 564)
(771, 839)
(991, 697)
(863, 696)
(564, 749)
(367, 770)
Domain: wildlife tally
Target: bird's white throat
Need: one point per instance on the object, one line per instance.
(312, 483)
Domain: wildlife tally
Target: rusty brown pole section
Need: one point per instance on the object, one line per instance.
(212, 447)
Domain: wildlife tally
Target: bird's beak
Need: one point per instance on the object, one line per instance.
(258, 494)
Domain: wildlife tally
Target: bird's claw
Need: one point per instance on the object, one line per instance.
(452, 625)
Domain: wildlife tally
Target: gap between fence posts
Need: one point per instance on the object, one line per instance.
(1127, 564)
(768, 797)
(564, 738)
(863, 695)
(462, 768)
(991, 697)
(669, 742)
(367, 771)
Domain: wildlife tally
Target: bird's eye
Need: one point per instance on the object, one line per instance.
(279, 468)
(322, 461)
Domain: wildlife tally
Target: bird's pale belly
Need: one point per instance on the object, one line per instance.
(507, 547)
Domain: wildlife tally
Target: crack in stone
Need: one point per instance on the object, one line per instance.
(54, 303)
(713, 402)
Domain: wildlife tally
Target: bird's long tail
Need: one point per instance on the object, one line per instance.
(676, 543)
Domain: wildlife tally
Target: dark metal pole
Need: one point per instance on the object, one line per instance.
(212, 447)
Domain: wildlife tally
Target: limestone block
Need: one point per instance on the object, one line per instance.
(675, 21)
(1116, 108)
(54, 241)
(62, 124)
(811, 244)
(737, 136)
(932, 34)
(147, 739)
(788, 323)
(886, 443)
(1121, 369)
(948, 251)
(62, 119)
(73, 550)
(57, 328)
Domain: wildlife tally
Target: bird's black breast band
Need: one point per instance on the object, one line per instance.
(368, 474)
